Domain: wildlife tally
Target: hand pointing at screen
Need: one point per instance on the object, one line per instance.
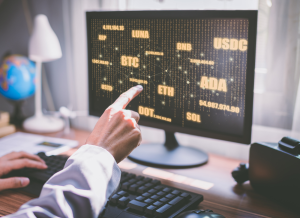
(117, 130)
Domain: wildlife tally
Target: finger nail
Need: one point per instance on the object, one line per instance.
(24, 181)
(139, 87)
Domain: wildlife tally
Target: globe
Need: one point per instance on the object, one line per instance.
(17, 77)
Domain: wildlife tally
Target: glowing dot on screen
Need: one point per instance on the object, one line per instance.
(138, 55)
(104, 78)
(100, 55)
(149, 77)
(141, 46)
(197, 64)
(231, 59)
(213, 91)
(120, 81)
(148, 96)
(217, 94)
(131, 72)
(203, 87)
(231, 79)
(146, 54)
(163, 103)
(212, 67)
(166, 70)
(179, 67)
(157, 59)
(144, 66)
(234, 98)
(188, 82)
(116, 48)
(178, 55)
(164, 83)
(185, 72)
(110, 63)
(192, 95)
(198, 83)
(202, 54)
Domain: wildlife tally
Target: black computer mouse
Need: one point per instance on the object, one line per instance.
(199, 214)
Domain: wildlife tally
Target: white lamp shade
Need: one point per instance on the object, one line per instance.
(43, 44)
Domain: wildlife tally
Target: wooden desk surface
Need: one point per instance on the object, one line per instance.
(225, 197)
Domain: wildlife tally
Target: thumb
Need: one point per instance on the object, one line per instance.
(13, 182)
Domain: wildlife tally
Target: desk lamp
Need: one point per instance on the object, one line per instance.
(43, 47)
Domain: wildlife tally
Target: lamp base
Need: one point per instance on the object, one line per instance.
(43, 124)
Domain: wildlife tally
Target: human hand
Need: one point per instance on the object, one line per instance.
(15, 161)
(117, 130)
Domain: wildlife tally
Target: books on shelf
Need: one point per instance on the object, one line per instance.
(4, 118)
(5, 127)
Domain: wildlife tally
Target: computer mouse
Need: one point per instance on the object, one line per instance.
(199, 214)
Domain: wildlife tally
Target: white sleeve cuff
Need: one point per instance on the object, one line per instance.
(81, 189)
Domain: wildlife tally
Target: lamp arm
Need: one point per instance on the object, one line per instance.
(38, 89)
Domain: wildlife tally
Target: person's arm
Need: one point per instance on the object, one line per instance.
(81, 189)
(91, 174)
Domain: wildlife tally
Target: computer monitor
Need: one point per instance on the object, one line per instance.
(196, 67)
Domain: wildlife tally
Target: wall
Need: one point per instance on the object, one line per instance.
(14, 37)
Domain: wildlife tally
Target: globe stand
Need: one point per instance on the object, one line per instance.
(17, 117)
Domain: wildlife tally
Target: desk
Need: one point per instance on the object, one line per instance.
(225, 197)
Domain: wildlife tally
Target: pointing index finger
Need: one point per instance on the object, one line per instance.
(125, 98)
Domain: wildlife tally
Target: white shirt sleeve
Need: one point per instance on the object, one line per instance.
(81, 189)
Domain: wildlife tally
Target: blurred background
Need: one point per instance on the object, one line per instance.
(277, 70)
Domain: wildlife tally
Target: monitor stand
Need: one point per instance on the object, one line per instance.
(169, 155)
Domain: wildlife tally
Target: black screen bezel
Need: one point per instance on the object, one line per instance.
(251, 15)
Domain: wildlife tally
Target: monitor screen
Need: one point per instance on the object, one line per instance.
(196, 67)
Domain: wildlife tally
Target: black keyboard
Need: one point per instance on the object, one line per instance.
(137, 196)
(55, 163)
(140, 196)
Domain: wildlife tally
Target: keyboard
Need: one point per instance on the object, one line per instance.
(55, 163)
(137, 196)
